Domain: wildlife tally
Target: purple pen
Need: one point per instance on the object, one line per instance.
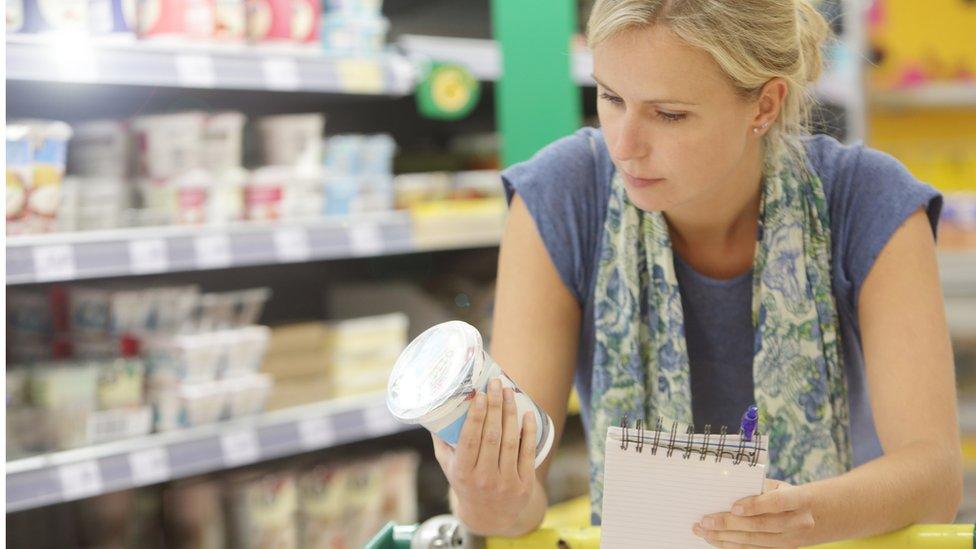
(750, 420)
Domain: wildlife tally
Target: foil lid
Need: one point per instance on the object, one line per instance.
(437, 367)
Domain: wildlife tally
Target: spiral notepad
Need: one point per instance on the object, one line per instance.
(659, 482)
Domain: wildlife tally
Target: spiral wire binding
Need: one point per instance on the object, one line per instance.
(744, 451)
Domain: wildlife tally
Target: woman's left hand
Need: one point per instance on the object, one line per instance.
(780, 517)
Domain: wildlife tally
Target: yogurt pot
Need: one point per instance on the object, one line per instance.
(439, 373)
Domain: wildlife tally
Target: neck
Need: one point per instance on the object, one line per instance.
(717, 233)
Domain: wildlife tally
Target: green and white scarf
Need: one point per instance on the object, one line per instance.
(641, 368)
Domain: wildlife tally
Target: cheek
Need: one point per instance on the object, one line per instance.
(698, 158)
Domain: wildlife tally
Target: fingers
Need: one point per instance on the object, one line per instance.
(526, 460)
(491, 437)
(775, 523)
(508, 460)
(469, 441)
(739, 539)
(771, 484)
(784, 498)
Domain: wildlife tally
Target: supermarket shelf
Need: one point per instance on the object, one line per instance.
(180, 65)
(942, 95)
(958, 271)
(483, 58)
(77, 474)
(62, 257)
(124, 252)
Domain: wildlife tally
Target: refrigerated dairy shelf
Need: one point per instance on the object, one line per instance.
(958, 272)
(86, 472)
(152, 250)
(482, 57)
(179, 65)
(934, 95)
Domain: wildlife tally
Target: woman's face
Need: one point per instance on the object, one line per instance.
(677, 130)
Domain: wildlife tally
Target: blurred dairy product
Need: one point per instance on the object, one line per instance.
(292, 139)
(169, 144)
(36, 158)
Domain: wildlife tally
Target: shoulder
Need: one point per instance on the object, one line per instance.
(565, 187)
(870, 194)
(571, 163)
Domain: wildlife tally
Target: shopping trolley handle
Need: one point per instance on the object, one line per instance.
(446, 531)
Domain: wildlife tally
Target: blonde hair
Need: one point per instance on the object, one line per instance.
(751, 40)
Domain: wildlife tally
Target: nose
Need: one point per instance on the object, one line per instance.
(631, 142)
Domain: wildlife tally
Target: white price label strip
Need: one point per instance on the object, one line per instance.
(76, 61)
(148, 256)
(239, 448)
(365, 239)
(80, 480)
(149, 466)
(291, 244)
(213, 251)
(360, 76)
(195, 71)
(54, 263)
(316, 433)
(380, 422)
(281, 73)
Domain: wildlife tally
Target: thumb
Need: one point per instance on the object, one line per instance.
(442, 450)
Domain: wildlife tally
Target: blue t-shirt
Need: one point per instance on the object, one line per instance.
(870, 194)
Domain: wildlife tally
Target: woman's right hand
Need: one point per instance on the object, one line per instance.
(491, 473)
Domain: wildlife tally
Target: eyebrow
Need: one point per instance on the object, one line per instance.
(650, 101)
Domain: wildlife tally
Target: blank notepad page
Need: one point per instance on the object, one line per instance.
(653, 500)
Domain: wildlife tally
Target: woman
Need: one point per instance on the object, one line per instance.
(696, 255)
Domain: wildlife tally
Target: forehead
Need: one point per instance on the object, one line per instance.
(652, 61)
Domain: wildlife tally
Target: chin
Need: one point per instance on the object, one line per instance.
(649, 200)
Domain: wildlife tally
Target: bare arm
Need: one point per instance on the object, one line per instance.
(908, 360)
(534, 338)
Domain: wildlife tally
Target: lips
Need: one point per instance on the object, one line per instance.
(641, 182)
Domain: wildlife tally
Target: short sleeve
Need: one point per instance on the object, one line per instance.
(872, 195)
(559, 188)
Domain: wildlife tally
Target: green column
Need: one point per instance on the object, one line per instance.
(536, 100)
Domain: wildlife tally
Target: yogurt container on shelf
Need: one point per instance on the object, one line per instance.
(48, 16)
(437, 376)
(176, 19)
(269, 20)
(169, 145)
(230, 20)
(112, 17)
(223, 141)
(264, 193)
(305, 16)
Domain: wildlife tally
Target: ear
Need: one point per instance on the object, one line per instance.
(771, 98)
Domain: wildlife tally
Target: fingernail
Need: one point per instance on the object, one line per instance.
(479, 400)
(696, 528)
(509, 395)
(738, 510)
(496, 384)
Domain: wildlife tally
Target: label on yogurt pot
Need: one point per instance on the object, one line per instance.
(64, 14)
(15, 15)
(302, 20)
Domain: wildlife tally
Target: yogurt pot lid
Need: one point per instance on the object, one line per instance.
(435, 368)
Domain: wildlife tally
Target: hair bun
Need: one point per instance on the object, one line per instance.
(812, 32)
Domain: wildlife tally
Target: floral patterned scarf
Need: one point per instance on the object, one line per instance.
(641, 368)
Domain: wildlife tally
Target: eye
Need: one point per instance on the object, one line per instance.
(671, 116)
(613, 99)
